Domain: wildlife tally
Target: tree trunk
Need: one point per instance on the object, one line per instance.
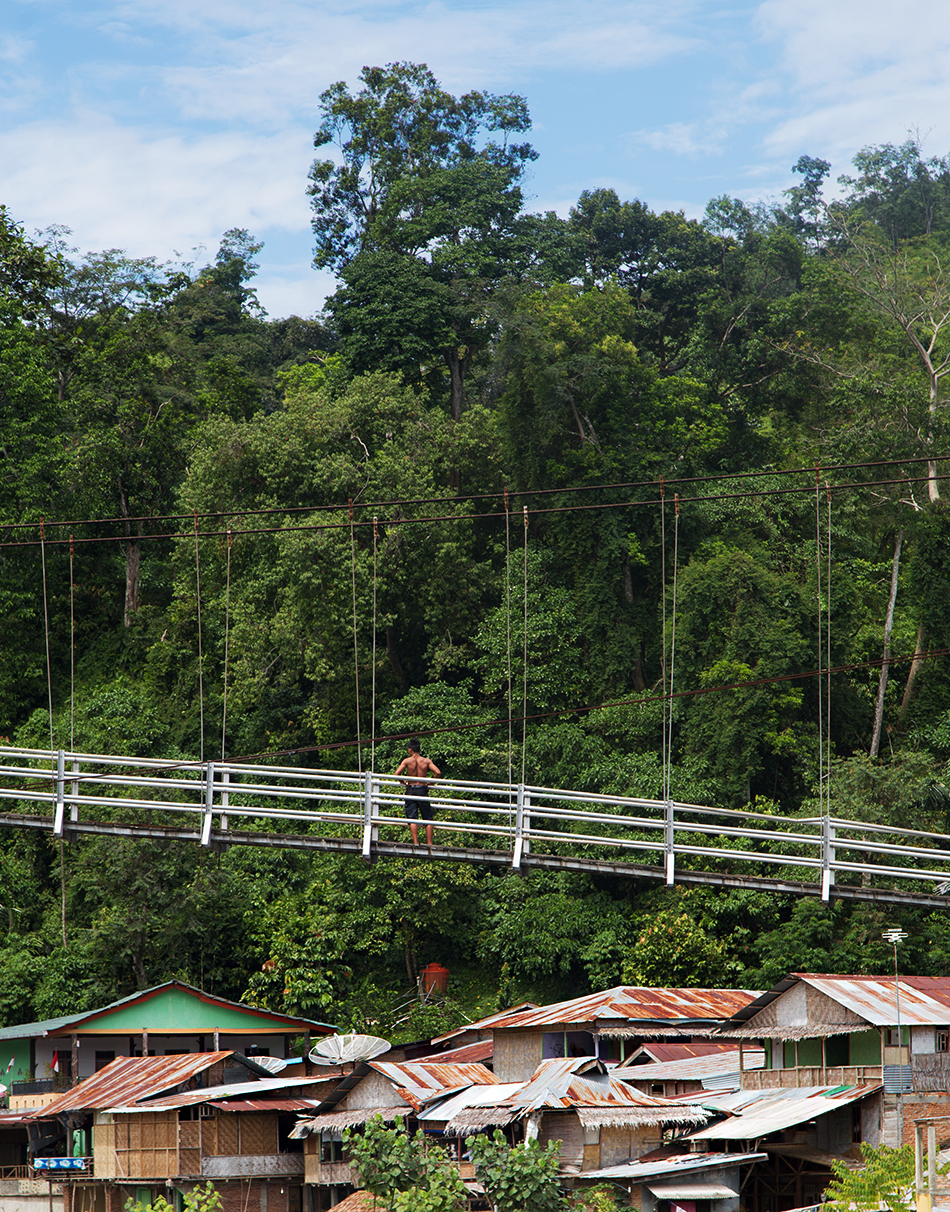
(456, 367)
(393, 653)
(912, 676)
(888, 625)
(133, 555)
(933, 490)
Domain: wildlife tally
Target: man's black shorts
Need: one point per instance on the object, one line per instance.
(417, 804)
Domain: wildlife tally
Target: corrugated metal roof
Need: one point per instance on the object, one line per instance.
(757, 1113)
(927, 1000)
(581, 1082)
(130, 1078)
(582, 1085)
(193, 1098)
(661, 1053)
(53, 1026)
(448, 1107)
(693, 1068)
(268, 1104)
(634, 1004)
(418, 1080)
(684, 1163)
(681, 1189)
(924, 1001)
(478, 1052)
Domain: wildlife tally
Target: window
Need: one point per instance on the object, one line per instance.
(103, 1058)
(942, 1040)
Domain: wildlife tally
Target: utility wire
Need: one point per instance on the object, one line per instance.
(587, 709)
(470, 517)
(619, 485)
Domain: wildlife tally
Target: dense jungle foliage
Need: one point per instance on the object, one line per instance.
(475, 354)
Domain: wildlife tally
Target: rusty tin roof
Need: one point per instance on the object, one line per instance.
(924, 1002)
(632, 1004)
(693, 1068)
(127, 1079)
(419, 1080)
(581, 1082)
(193, 1098)
(480, 1051)
(661, 1053)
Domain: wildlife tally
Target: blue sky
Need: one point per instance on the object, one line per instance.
(155, 125)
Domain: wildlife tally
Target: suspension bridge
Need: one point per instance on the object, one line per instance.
(215, 805)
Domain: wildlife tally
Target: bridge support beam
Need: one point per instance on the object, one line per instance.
(522, 847)
(207, 817)
(59, 820)
(827, 857)
(668, 847)
(370, 813)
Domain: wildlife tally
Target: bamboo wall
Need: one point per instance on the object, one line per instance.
(517, 1054)
(157, 1145)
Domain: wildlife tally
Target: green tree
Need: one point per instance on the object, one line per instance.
(886, 1180)
(674, 950)
(403, 1171)
(520, 1179)
(198, 1199)
(427, 195)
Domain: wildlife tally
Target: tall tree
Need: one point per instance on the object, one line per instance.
(425, 176)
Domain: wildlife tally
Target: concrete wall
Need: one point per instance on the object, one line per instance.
(29, 1195)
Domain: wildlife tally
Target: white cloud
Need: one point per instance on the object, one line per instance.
(858, 72)
(257, 63)
(14, 48)
(151, 193)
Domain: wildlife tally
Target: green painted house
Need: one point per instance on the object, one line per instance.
(162, 1021)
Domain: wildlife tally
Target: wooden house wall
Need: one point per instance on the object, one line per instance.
(373, 1091)
(567, 1128)
(517, 1054)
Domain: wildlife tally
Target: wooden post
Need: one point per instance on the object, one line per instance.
(75, 1065)
(145, 1041)
(217, 1039)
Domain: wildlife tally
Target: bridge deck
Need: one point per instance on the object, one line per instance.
(218, 804)
(222, 839)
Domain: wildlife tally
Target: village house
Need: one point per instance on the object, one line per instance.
(161, 1124)
(610, 1026)
(41, 1058)
(847, 1059)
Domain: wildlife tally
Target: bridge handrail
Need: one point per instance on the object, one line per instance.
(556, 821)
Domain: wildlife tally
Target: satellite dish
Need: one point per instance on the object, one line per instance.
(352, 1047)
(274, 1064)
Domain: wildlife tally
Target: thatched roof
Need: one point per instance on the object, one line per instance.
(635, 1117)
(346, 1119)
(788, 1031)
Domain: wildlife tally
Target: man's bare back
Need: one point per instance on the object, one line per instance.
(417, 767)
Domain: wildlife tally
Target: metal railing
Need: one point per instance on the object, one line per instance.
(217, 802)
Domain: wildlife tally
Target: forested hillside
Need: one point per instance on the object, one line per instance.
(582, 440)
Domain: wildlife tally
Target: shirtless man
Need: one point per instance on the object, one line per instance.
(417, 794)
